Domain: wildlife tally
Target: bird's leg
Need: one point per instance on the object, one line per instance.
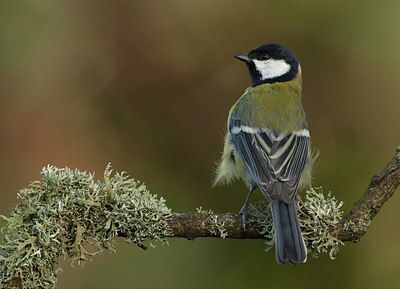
(244, 212)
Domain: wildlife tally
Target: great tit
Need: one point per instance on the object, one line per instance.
(268, 144)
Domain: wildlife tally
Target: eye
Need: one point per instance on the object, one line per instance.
(264, 56)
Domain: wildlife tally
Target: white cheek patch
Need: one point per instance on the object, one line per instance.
(271, 68)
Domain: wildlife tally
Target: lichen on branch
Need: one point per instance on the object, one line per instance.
(69, 215)
(317, 213)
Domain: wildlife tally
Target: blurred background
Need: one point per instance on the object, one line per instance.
(147, 86)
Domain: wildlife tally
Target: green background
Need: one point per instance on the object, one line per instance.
(147, 86)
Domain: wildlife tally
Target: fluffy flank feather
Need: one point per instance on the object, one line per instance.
(309, 169)
(228, 169)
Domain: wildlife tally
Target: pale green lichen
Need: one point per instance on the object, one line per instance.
(317, 214)
(214, 225)
(217, 227)
(262, 217)
(361, 226)
(69, 215)
(204, 212)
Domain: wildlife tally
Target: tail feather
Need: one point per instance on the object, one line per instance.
(289, 242)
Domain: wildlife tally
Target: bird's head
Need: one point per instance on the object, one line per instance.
(270, 63)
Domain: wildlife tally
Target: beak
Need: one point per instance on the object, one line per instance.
(242, 57)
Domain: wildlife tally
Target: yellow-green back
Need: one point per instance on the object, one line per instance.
(276, 106)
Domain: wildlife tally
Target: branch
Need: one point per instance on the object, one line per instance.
(350, 228)
(193, 225)
(382, 186)
(67, 210)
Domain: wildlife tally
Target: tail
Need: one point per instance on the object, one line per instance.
(289, 243)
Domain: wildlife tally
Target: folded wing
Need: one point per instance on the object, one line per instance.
(270, 157)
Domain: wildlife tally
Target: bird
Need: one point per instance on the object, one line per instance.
(267, 144)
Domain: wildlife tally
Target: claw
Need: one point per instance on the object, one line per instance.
(243, 211)
(243, 215)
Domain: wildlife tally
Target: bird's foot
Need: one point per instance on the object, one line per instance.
(243, 213)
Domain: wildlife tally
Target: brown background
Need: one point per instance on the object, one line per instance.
(147, 85)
